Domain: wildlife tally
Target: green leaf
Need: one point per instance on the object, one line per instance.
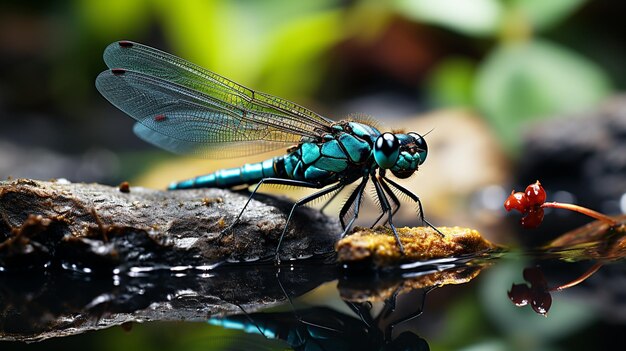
(544, 14)
(520, 82)
(451, 83)
(476, 18)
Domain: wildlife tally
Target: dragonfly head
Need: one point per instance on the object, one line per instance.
(400, 153)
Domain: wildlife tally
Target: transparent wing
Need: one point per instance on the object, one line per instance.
(182, 120)
(246, 122)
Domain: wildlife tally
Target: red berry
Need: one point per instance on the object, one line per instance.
(516, 201)
(535, 277)
(535, 194)
(533, 218)
(519, 294)
(540, 301)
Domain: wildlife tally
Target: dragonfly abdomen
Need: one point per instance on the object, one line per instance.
(249, 173)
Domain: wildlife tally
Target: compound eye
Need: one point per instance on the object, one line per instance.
(422, 147)
(386, 150)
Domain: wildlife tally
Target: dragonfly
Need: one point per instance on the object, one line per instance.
(186, 109)
(323, 328)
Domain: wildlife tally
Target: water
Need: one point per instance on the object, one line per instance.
(567, 295)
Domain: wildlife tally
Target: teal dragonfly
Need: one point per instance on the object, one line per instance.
(186, 109)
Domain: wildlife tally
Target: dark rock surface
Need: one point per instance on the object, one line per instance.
(98, 227)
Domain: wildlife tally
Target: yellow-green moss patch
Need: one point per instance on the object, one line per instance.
(420, 243)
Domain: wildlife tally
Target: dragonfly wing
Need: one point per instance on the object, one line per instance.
(153, 62)
(183, 120)
(185, 147)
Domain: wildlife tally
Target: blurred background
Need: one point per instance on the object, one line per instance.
(511, 91)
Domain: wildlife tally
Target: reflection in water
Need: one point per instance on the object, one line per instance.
(602, 242)
(322, 328)
(539, 294)
(237, 297)
(381, 310)
(66, 303)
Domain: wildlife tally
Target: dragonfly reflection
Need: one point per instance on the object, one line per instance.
(324, 328)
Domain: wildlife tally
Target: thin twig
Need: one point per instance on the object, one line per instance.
(580, 279)
(591, 213)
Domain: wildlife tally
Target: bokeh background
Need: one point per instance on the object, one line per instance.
(510, 91)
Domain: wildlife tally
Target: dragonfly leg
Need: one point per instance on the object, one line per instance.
(384, 203)
(299, 203)
(346, 206)
(295, 312)
(362, 309)
(357, 195)
(332, 198)
(418, 312)
(414, 198)
(279, 181)
(382, 213)
(393, 198)
(249, 318)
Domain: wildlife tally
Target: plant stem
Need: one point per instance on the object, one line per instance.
(580, 279)
(591, 213)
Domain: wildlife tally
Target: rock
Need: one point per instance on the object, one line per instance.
(102, 227)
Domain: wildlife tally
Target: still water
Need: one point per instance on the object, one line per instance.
(462, 303)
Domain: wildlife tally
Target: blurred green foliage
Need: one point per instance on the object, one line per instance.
(274, 45)
(519, 82)
(522, 77)
(508, 66)
(473, 18)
